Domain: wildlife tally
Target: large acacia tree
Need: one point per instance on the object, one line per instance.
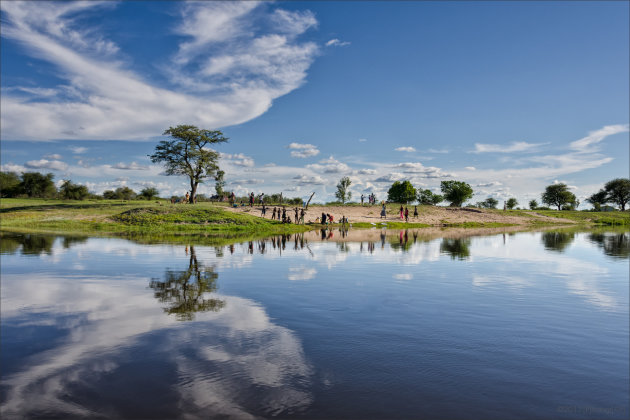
(188, 153)
(558, 195)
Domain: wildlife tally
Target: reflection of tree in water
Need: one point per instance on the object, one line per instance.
(401, 242)
(183, 291)
(457, 248)
(29, 244)
(69, 241)
(615, 245)
(557, 241)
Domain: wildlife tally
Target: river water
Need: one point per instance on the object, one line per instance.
(365, 325)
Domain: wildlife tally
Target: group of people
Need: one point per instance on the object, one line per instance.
(281, 214)
(404, 213)
(371, 199)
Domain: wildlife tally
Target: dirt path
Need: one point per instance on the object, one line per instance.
(430, 215)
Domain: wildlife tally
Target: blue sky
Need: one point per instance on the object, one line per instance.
(507, 96)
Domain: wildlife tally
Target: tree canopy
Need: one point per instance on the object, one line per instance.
(401, 192)
(598, 199)
(427, 197)
(558, 195)
(343, 194)
(511, 203)
(456, 192)
(188, 153)
(71, 191)
(618, 191)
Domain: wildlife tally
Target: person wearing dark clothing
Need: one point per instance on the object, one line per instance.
(273, 214)
(406, 214)
(302, 216)
(284, 214)
(415, 211)
(323, 218)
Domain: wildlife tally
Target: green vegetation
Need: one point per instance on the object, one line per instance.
(427, 197)
(558, 195)
(456, 192)
(342, 193)
(401, 192)
(618, 192)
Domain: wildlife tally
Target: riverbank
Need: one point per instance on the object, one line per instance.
(218, 219)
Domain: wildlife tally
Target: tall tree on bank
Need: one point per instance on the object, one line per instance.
(618, 191)
(456, 192)
(342, 192)
(558, 195)
(401, 192)
(598, 199)
(188, 154)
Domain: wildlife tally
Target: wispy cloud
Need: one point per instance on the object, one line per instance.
(228, 70)
(421, 170)
(329, 166)
(405, 149)
(77, 150)
(309, 180)
(133, 166)
(299, 150)
(517, 146)
(588, 144)
(337, 43)
(238, 159)
(54, 156)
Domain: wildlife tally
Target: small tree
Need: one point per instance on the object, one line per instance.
(34, 184)
(618, 191)
(401, 192)
(511, 203)
(219, 182)
(598, 199)
(533, 204)
(427, 197)
(70, 191)
(490, 203)
(558, 195)
(188, 154)
(456, 192)
(342, 193)
(124, 193)
(9, 184)
(149, 193)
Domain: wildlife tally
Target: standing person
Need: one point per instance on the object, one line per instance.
(187, 197)
(264, 210)
(297, 211)
(323, 218)
(273, 214)
(302, 216)
(362, 199)
(383, 211)
(401, 212)
(406, 214)
(284, 213)
(415, 212)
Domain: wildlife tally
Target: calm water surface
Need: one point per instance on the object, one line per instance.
(385, 326)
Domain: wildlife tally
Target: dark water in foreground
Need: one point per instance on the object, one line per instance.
(519, 326)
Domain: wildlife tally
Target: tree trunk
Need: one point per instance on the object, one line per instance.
(193, 191)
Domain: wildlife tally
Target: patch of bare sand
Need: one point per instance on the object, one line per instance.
(430, 215)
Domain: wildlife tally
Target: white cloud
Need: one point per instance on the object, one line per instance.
(517, 146)
(422, 171)
(229, 70)
(470, 168)
(53, 156)
(303, 150)
(391, 177)
(362, 140)
(337, 43)
(439, 151)
(329, 166)
(367, 172)
(489, 184)
(238, 159)
(12, 167)
(252, 181)
(308, 180)
(78, 150)
(55, 165)
(133, 166)
(405, 149)
(587, 144)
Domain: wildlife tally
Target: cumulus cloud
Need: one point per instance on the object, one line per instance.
(299, 150)
(337, 43)
(489, 184)
(133, 166)
(77, 150)
(228, 70)
(367, 171)
(55, 165)
(517, 146)
(309, 180)
(421, 170)
(329, 166)
(394, 176)
(470, 168)
(405, 149)
(238, 159)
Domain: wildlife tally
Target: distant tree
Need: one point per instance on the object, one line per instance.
(124, 193)
(71, 191)
(188, 154)
(533, 204)
(618, 191)
(401, 192)
(149, 193)
(427, 197)
(342, 193)
(598, 199)
(456, 192)
(558, 195)
(490, 203)
(9, 184)
(34, 184)
(109, 195)
(219, 182)
(511, 203)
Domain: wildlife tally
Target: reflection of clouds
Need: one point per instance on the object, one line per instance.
(107, 318)
(403, 276)
(488, 280)
(302, 273)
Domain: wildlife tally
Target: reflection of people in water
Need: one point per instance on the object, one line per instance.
(382, 239)
(183, 291)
